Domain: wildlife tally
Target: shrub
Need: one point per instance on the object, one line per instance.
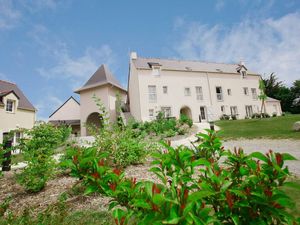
(184, 119)
(255, 116)
(274, 114)
(225, 117)
(234, 117)
(265, 115)
(244, 189)
(38, 150)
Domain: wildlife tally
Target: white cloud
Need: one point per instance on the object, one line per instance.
(79, 69)
(75, 70)
(9, 15)
(269, 45)
(49, 103)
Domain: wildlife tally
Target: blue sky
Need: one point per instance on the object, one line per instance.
(51, 47)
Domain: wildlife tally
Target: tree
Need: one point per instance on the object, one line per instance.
(272, 85)
(295, 90)
(262, 96)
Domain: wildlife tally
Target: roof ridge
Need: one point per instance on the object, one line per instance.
(190, 60)
(9, 82)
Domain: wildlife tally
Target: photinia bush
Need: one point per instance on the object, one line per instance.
(205, 185)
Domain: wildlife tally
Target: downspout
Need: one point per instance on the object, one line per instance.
(210, 98)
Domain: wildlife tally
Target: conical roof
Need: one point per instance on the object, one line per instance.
(101, 77)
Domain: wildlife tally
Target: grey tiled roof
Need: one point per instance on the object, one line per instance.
(186, 65)
(101, 77)
(7, 87)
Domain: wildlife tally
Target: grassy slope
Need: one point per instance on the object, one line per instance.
(274, 128)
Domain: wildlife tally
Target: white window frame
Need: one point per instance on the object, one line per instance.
(223, 110)
(152, 95)
(219, 95)
(167, 111)
(187, 91)
(254, 94)
(244, 73)
(229, 91)
(165, 89)
(233, 110)
(246, 91)
(199, 93)
(151, 113)
(10, 106)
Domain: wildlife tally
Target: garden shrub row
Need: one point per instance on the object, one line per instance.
(196, 186)
(163, 126)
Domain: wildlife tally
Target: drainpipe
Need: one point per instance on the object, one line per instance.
(210, 98)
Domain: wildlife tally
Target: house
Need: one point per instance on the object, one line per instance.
(16, 111)
(201, 90)
(273, 106)
(102, 85)
(68, 114)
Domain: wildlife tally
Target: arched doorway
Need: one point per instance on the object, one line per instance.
(93, 122)
(186, 111)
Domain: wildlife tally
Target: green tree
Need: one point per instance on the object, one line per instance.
(272, 85)
(295, 90)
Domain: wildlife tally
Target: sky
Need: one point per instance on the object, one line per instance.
(49, 48)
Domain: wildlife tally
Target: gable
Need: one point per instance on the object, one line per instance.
(69, 110)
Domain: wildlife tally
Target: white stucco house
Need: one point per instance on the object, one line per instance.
(16, 111)
(103, 85)
(204, 91)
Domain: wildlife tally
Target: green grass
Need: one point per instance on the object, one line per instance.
(273, 128)
(294, 194)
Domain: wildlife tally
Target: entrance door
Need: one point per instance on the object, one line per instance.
(202, 116)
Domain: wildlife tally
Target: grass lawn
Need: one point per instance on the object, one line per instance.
(273, 128)
(295, 195)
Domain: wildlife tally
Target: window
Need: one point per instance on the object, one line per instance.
(165, 89)
(187, 91)
(156, 70)
(219, 93)
(244, 74)
(9, 106)
(151, 113)
(199, 93)
(246, 91)
(249, 111)
(152, 93)
(167, 111)
(233, 110)
(223, 109)
(229, 91)
(254, 94)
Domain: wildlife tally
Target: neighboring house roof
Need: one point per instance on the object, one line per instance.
(65, 122)
(185, 65)
(8, 87)
(269, 99)
(101, 77)
(71, 98)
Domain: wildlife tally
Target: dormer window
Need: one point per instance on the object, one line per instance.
(244, 74)
(9, 106)
(156, 67)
